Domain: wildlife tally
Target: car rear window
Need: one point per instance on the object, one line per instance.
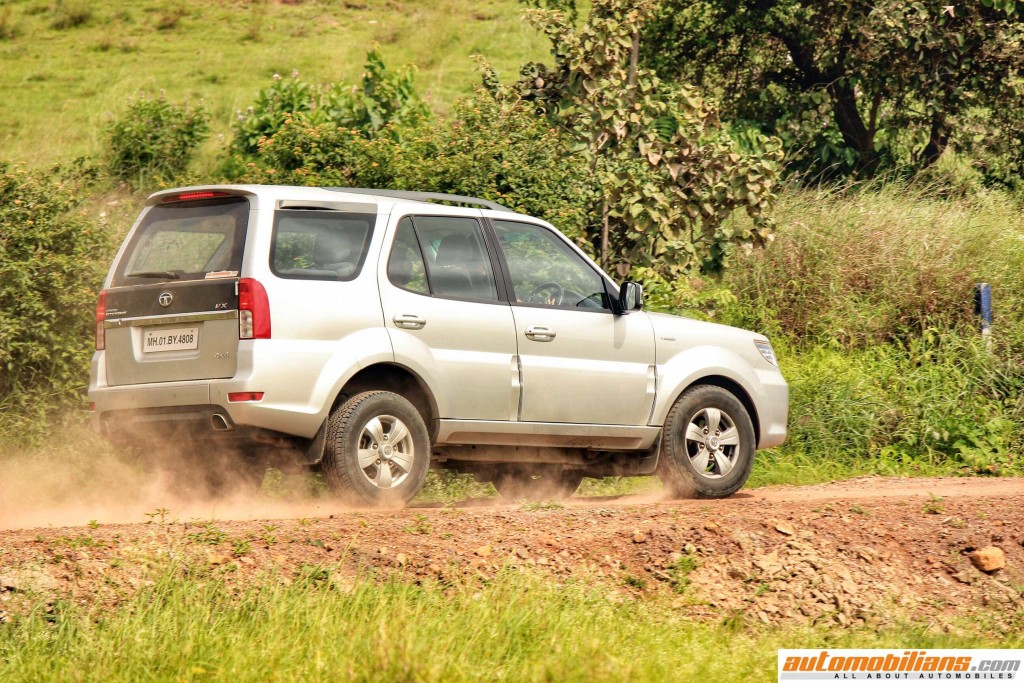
(187, 241)
(320, 245)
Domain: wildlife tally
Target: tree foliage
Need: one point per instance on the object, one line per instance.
(500, 151)
(51, 266)
(666, 174)
(638, 171)
(852, 85)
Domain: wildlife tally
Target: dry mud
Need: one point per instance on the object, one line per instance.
(870, 551)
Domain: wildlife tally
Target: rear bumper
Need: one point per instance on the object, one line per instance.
(192, 410)
(138, 424)
(295, 401)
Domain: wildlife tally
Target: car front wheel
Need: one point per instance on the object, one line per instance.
(707, 446)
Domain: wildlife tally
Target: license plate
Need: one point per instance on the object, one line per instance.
(178, 339)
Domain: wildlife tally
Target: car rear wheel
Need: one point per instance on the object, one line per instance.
(707, 446)
(377, 450)
(534, 484)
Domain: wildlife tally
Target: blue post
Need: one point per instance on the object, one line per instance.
(983, 308)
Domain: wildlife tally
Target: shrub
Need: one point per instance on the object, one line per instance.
(939, 403)
(384, 97)
(154, 139)
(70, 14)
(9, 28)
(494, 150)
(169, 20)
(302, 153)
(52, 262)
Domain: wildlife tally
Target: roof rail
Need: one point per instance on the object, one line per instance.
(424, 197)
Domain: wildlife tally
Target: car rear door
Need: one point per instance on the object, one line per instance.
(447, 314)
(171, 312)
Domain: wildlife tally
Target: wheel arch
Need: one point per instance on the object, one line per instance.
(398, 379)
(734, 388)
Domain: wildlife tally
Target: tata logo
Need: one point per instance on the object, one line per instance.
(165, 299)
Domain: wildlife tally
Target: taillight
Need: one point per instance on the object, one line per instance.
(193, 196)
(101, 316)
(253, 310)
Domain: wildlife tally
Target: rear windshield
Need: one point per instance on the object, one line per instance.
(188, 241)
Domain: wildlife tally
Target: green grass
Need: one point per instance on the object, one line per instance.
(516, 627)
(69, 65)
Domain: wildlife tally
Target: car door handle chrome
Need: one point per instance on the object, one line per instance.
(541, 334)
(409, 322)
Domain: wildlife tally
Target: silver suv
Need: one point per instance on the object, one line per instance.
(374, 334)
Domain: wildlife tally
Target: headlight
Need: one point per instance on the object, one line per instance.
(765, 347)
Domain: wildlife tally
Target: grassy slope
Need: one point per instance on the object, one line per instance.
(58, 86)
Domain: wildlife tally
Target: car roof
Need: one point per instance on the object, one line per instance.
(384, 199)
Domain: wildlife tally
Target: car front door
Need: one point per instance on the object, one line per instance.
(448, 316)
(580, 362)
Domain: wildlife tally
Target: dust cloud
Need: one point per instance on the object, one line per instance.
(82, 479)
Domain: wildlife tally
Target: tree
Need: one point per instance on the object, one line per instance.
(665, 174)
(850, 85)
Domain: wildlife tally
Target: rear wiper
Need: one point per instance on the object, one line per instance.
(155, 273)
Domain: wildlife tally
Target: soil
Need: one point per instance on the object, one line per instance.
(870, 551)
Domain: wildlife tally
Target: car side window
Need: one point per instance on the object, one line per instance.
(319, 245)
(405, 267)
(452, 251)
(546, 271)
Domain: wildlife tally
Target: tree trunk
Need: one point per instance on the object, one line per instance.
(851, 125)
(938, 140)
(604, 234)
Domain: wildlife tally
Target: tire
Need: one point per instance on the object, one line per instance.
(361, 461)
(707, 445)
(534, 484)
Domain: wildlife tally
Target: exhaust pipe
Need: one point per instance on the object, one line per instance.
(220, 423)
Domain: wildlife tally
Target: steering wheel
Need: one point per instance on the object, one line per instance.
(554, 298)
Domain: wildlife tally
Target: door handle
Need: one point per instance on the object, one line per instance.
(409, 322)
(539, 333)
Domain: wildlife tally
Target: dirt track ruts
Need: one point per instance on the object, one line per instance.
(866, 551)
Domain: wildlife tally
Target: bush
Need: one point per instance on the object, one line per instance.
(302, 153)
(154, 139)
(52, 263)
(488, 149)
(504, 152)
(940, 403)
(70, 14)
(9, 28)
(384, 97)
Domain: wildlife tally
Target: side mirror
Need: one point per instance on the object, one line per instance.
(631, 297)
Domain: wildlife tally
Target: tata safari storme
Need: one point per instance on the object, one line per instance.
(374, 334)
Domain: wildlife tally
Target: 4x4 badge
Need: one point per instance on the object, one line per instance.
(165, 299)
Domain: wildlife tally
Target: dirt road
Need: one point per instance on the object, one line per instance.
(870, 550)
